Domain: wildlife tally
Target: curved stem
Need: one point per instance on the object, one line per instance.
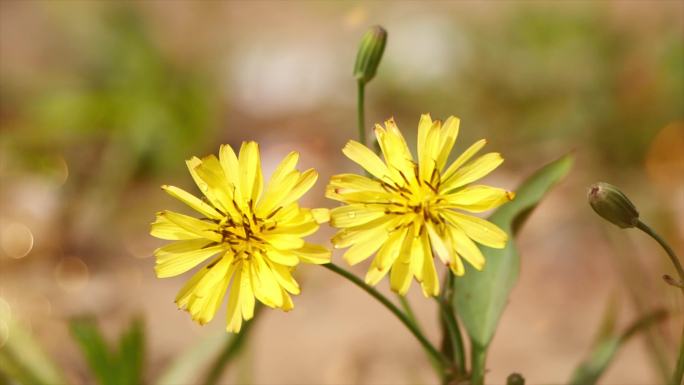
(670, 253)
(232, 348)
(408, 310)
(679, 368)
(360, 112)
(429, 348)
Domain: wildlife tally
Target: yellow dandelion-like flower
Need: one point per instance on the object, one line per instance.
(252, 238)
(407, 210)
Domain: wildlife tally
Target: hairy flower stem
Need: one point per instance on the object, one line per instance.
(679, 368)
(434, 354)
(360, 112)
(232, 348)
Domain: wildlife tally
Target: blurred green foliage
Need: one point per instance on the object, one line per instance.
(120, 91)
(111, 366)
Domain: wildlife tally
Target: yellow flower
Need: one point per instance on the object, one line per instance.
(254, 236)
(406, 211)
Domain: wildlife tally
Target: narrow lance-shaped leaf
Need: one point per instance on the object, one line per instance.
(131, 353)
(480, 297)
(590, 370)
(95, 350)
(23, 360)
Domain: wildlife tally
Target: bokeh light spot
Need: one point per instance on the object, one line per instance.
(71, 274)
(16, 240)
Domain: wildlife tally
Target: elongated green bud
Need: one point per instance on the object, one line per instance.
(369, 55)
(614, 206)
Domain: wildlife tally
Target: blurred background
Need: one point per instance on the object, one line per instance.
(101, 103)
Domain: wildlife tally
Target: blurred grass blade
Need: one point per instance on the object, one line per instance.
(132, 353)
(92, 344)
(184, 369)
(23, 360)
(590, 370)
(480, 297)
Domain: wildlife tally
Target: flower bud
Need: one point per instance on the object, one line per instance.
(515, 379)
(614, 206)
(369, 55)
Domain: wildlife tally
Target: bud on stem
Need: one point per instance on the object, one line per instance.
(612, 205)
(370, 52)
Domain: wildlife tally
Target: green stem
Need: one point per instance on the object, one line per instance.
(232, 348)
(670, 253)
(452, 330)
(429, 348)
(478, 356)
(408, 310)
(360, 111)
(679, 368)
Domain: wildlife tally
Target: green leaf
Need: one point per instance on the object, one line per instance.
(23, 360)
(92, 344)
(590, 370)
(131, 353)
(184, 369)
(480, 297)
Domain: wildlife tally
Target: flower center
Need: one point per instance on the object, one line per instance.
(243, 236)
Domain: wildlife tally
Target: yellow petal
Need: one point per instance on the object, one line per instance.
(377, 228)
(321, 215)
(217, 188)
(186, 292)
(386, 256)
(456, 267)
(473, 171)
(478, 198)
(193, 225)
(284, 278)
(424, 127)
(314, 254)
(429, 152)
(264, 283)
(366, 158)
(306, 180)
(192, 201)
(216, 273)
(234, 308)
(401, 275)
(179, 257)
(251, 179)
(467, 249)
(430, 282)
(362, 250)
(283, 257)
(354, 215)
(448, 137)
(439, 244)
(395, 150)
(287, 301)
(231, 169)
(478, 229)
(203, 309)
(163, 228)
(276, 193)
(463, 158)
(283, 241)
